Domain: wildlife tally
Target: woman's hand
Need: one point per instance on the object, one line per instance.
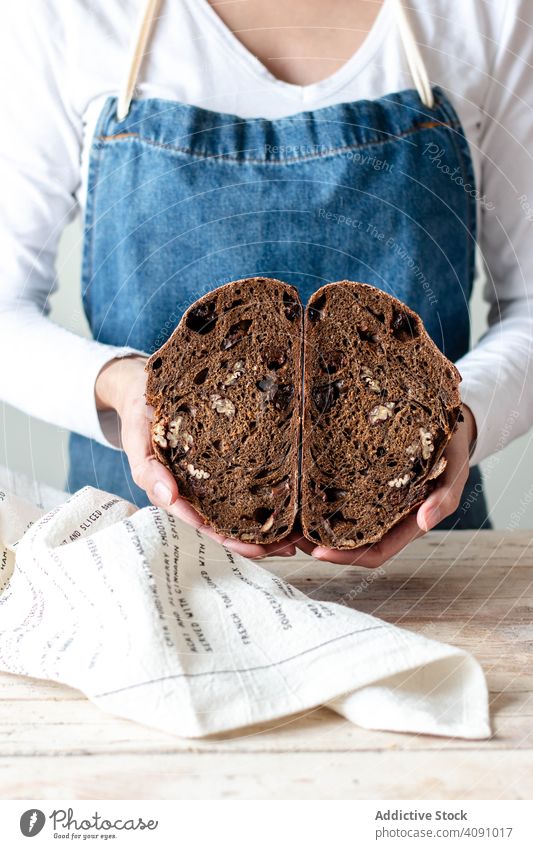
(120, 386)
(441, 503)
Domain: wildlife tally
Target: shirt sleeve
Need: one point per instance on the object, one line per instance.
(48, 372)
(498, 372)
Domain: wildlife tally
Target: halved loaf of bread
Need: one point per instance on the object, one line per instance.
(226, 393)
(373, 409)
(380, 404)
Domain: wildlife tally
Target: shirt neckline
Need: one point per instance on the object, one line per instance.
(347, 71)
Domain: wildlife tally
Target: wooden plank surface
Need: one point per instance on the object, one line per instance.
(474, 590)
(293, 775)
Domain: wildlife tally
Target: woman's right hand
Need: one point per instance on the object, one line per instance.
(120, 386)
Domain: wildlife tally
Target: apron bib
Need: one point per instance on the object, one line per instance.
(182, 199)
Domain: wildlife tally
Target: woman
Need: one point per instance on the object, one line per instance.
(307, 141)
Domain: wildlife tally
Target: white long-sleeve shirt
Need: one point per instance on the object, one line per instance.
(60, 60)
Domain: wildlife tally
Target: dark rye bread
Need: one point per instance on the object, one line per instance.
(380, 404)
(226, 393)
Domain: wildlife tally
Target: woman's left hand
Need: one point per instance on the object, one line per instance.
(443, 501)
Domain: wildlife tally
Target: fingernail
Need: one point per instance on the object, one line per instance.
(162, 494)
(430, 520)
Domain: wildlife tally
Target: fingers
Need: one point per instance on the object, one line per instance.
(446, 497)
(283, 548)
(252, 551)
(305, 545)
(376, 554)
(255, 551)
(183, 510)
(147, 472)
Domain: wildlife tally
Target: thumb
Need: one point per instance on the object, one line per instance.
(147, 472)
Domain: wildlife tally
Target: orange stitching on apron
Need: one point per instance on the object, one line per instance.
(330, 152)
(428, 125)
(118, 136)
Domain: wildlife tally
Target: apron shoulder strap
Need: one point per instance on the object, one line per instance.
(148, 16)
(136, 55)
(415, 61)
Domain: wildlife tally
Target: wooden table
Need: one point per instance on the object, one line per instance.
(470, 589)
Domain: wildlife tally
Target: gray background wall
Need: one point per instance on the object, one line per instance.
(39, 449)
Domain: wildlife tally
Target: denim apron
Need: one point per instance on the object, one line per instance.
(182, 199)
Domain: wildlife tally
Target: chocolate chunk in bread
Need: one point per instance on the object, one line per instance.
(226, 393)
(380, 405)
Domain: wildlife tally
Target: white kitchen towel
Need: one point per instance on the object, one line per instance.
(158, 623)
